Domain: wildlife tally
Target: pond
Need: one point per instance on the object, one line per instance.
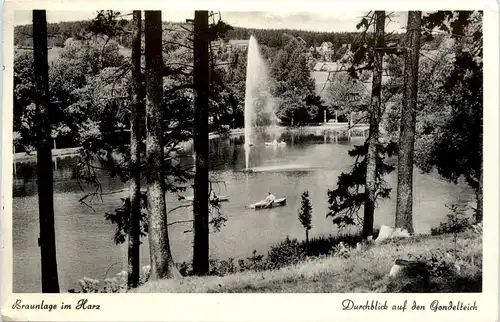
(85, 244)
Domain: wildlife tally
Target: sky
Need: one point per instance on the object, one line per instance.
(316, 21)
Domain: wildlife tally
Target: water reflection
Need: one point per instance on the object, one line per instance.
(85, 240)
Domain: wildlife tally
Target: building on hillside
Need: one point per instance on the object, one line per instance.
(237, 44)
(325, 46)
(324, 73)
(348, 46)
(326, 51)
(301, 41)
(221, 46)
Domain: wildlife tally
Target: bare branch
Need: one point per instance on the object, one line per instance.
(179, 222)
(180, 64)
(179, 207)
(93, 194)
(179, 87)
(107, 271)
(186, 29)
(178, 44)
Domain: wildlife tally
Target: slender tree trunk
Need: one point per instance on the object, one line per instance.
(201, 179)
(307, 242)
(375, 114)
(162, 264)
(479, 211)
(404, 201)
(47, 240)
(136, 117)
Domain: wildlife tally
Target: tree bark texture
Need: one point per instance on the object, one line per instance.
(162, 264)
(47, 240)
(479, 212)
(404, 199)
(375, 114)
(136, 136)
(307, 242)
(201, 179)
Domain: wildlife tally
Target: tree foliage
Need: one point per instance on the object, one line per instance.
(305, 212)
(121, 218)
(347, 94)
(293, 85)
(370, 164)
(346, 200)
(454, 118)
(449, 115)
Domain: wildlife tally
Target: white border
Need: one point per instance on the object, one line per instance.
(263, 307)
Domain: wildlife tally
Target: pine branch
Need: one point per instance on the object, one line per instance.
(100, 194)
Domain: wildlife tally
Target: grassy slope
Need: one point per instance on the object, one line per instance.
(365, 270)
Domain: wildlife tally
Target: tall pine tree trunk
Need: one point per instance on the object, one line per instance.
(136, 119)
(201, 179)
(307, 242)
(479, 196)
(404, 201)
(479, 211)
(375, 115)
(47, 240)
(162, 264)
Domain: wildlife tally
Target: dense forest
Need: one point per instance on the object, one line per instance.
(59, 32)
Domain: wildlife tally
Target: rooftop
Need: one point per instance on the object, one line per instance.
(238, 42)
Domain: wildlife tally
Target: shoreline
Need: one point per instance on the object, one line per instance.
(22, 157)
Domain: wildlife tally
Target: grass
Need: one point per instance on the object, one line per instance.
(363, 270)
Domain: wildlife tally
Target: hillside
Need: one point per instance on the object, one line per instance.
(59, 32)
(456, 267)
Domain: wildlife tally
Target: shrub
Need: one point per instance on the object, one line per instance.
(453, 269)
(221, 268)
(116, 284)
(340, 250)
(437, 263)
(457, 222)
(288, 252)
(89, 285)
(184, 268)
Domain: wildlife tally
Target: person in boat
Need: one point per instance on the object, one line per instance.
(212, 196)
(269, 200)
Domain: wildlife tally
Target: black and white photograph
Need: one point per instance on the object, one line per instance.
(207, 151)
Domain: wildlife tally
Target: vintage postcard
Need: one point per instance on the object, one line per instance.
(337, 160)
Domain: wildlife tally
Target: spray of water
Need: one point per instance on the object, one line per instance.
(259, 103)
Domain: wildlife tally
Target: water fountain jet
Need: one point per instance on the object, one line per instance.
(259, 103)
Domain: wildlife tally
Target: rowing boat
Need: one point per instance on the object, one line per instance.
(218, 198)
(262, 204)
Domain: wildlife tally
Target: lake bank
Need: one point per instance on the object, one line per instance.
(23, 157)
(356, 270)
